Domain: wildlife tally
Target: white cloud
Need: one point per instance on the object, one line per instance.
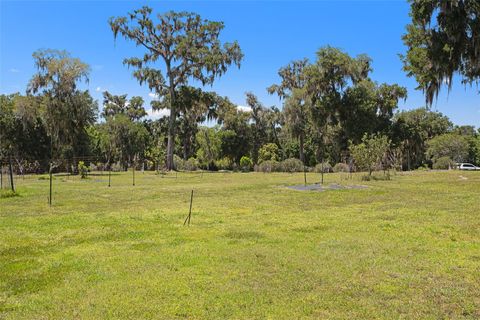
(153, 95)
(13, 70)
(98, 89)
(157, 114)
(244, 109)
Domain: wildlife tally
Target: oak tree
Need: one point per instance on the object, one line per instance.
(188, 46)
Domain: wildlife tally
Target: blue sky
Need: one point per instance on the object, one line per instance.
(270, 33)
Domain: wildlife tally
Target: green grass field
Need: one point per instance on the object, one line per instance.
(408, 248)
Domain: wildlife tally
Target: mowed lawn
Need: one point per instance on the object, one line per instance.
(408, 248)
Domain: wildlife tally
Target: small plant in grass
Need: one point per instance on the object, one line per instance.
(82, 169)
(8, 194)
(246, 163)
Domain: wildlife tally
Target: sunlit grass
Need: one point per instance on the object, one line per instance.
(406, 248)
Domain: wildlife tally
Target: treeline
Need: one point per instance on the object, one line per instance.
(334, 115)
(311, 127)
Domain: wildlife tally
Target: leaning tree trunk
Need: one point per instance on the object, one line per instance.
(11, 172)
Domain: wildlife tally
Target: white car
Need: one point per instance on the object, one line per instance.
(467, 166)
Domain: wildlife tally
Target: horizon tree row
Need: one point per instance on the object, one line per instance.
(330, 105)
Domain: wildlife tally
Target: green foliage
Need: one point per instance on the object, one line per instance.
(246, 163)
(412, 129)
(209, 146)
(369, 154)
(114, 105)
(65, 110)
(268, 152)
(441, 41)
(451, 145)
(476, 150)
(191, 164)
(123, 139)
(189, 46)
(224, 164)
(443, 163)
(83, 169)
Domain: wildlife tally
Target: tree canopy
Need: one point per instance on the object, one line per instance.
(443, 39)
(189, 46)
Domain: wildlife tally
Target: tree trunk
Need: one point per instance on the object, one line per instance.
(11, 172)
(185, 150)
(302, 154)
(171, 121)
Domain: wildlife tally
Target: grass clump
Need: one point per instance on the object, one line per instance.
(8, 194)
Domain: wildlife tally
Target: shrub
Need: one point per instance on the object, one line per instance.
(443, 163)
(82, 169)
(291, 165)
(326, 167)
(190, 165)
(246, 163)
(341, 167)
(369, 153)
(178, 162)
(449, 145)
(268, 166)
(223, 164)
(268, 152)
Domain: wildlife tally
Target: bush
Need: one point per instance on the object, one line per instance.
(246, 163)
(268, 166)
(443, 163)
(341, 167)
(187, 165)
(190, 165)
(291, 165)
(82, 169)
(223, 164)
(268, 152)
(326, 167)
(178, 162)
